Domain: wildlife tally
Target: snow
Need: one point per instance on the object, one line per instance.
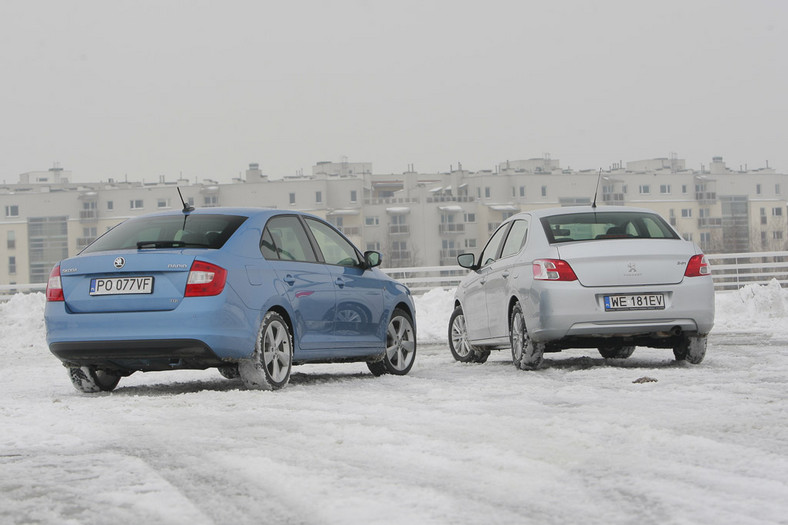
(576, 442)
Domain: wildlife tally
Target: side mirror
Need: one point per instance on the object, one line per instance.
(372, 258)
(466, 260)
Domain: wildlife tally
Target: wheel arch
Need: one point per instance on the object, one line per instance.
(513, 300)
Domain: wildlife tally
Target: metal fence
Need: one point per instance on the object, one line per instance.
(729, 271)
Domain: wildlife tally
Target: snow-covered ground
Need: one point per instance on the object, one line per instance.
(579, 441)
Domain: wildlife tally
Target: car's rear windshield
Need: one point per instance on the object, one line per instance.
(590, 226)
(171, 231)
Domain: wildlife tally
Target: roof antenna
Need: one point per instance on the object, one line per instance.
(186, 207)
(593, 204)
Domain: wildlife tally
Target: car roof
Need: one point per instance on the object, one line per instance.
(227, 210)
(566, 210)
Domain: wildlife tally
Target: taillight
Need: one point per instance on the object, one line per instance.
(553, 270)
(205, 279)
(697, 266)
(54, 286)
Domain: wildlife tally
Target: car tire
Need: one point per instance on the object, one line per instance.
(270, 365)
(691, 348)
(229, 371)
(526, 354)
(89, 380)
(378, 368)
(461, 349)
(616, 352)
(400, 346)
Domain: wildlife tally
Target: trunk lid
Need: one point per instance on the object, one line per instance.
(627, 262)
(168, 270)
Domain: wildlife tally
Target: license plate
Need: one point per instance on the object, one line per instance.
(121, 285)
(646, 301)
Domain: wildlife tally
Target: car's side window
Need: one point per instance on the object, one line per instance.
(267, 246)
(287, 240)
(490, 252)
(516, 238)
(335, 248)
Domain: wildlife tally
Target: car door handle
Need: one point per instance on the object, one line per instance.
(340, 282)
(505, 274)
(482, 281)
(289, 279)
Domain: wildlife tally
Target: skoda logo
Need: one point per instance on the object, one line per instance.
(120, 262)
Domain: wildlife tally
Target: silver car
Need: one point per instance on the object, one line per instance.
(610, 278)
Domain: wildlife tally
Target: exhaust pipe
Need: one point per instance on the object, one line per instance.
(675, 331)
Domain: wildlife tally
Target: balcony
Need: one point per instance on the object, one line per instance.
(88, 215)
(710, 222)
(399, 255)
(449, 257)
(706, 197)
(351, 230)
(451, 227)
(399, 229)
(82, 242)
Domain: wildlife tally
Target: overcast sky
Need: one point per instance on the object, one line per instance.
(201, 89)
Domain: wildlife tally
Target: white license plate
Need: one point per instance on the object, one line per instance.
(645, 301)
(121, 285)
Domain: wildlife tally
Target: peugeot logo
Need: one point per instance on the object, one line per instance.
(632, 267)
(119, 263)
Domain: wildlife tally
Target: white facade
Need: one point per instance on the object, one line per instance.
(415, 219)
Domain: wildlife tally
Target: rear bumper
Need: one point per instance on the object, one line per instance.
(137, 355)
(199, 329)
(566, 311)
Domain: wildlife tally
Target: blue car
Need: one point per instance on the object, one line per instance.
(249, 291)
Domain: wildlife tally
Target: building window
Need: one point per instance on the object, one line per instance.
(163, 203)
(544, 191)
(487, 192)
(664, 188)
(470, 243)
(374, 246)
(211, 200)
(777, 235)
(777, 189)
(318, 196)
(522, 191)
(686, 213)
(353, 196)
(683, 188)
(11, 242)
(763, 215)
(110, 205)
(470, 217)
(479, 193)
(12, 265)
(135, 204)
(292, 198)
(372, 221)
(644, 189)
(758, 189)
(777, 212)
(12, 211)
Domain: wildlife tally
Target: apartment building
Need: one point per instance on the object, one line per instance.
(415, 219)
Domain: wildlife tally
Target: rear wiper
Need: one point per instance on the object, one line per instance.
(168, 244)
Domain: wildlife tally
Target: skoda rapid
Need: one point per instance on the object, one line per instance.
(248, 291)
